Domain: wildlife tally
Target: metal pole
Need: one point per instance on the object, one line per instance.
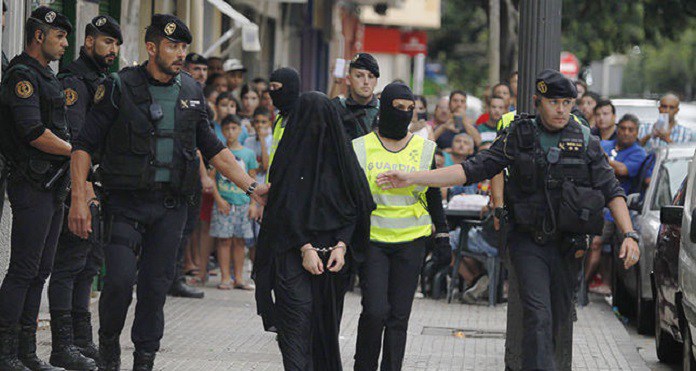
(493, 42)
(539, 48)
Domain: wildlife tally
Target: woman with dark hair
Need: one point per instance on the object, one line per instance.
(316, 218)
(250, 102)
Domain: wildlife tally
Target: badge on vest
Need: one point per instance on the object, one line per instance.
(99, 94)
(185, 104)
(571, 145)
(70, 96)
(24, 89)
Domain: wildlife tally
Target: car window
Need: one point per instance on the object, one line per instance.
(679, 198)
(671, 175)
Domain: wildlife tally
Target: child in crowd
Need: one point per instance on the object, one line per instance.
(226, 105)
(232, 212)
(250, 101)
(261, 141)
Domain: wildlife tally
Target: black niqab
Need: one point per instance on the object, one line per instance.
(285, 97)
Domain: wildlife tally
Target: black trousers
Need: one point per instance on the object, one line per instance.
(388, 281)
(36, 222)
(144, 236)
(308, 310)
(76, 264)
(547, 277)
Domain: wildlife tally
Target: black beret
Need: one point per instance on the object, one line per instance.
(171, 27)
(108, 26)
(365, 61)
(51, 18)
(195, 58)
(552, 84)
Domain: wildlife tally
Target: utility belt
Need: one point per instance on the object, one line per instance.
(575, 245)
(45, 176)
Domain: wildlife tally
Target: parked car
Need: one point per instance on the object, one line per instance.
(631, 288)
(665, 281)
(687, 270)
(684, 298)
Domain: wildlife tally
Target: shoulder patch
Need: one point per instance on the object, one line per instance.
(24, 89)
(99, 94)
(70, 96)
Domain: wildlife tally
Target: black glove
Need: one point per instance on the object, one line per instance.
(442, 252)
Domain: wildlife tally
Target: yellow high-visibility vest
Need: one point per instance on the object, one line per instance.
(401, 214)
(278, 131)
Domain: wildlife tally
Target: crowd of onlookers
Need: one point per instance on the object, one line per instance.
(242, 113)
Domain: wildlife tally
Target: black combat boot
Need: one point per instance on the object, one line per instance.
(109, 353)
(27, 351)
(143, 361)
(8, 349)
(182, 290)
(64, 352)
(82, 334)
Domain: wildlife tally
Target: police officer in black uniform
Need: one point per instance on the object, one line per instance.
(35, 141)
(146, 122)
(559, 181)
(78, 261)
(359, 110)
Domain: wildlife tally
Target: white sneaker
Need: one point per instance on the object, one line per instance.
(477, 291)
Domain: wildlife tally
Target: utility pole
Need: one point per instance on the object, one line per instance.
(539, 48)
(493, 42)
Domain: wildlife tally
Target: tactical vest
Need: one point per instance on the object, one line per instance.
(356, 123)
(35, 165)
(534, 184)
(128, 161)
(87, 74)
(402, 214)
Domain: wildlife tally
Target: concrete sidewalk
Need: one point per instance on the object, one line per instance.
(223, 332)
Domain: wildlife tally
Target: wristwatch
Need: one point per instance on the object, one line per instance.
(251, 189)
(632, 234)
(499, 212)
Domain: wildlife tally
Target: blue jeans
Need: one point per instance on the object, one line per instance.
(477, 244)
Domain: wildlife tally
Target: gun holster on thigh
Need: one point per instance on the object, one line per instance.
(123, 231)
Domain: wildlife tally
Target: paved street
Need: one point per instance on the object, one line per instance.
(222, 332)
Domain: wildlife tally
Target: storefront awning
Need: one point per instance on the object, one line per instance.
(250, 31)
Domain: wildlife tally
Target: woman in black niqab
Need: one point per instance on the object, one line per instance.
(319, 199)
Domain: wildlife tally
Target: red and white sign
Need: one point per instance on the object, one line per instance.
(387, 40)
(570, 65)
(414, 43)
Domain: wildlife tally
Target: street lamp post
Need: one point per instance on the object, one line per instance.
(539, 48)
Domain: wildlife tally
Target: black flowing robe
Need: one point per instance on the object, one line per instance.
(319, 195)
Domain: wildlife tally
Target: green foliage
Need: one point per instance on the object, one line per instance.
(668, 66)
(591, 30)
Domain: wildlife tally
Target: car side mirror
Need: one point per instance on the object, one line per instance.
(692, 230)
(671, 215)
(635, 202)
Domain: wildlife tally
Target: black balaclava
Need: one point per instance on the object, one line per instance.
(393, 122)
(284, 98)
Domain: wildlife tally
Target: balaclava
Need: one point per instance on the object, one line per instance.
(393, 122)
(284, 98)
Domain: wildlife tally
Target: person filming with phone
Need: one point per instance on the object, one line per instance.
(458, 122)
(665, 130)
(359, 109)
